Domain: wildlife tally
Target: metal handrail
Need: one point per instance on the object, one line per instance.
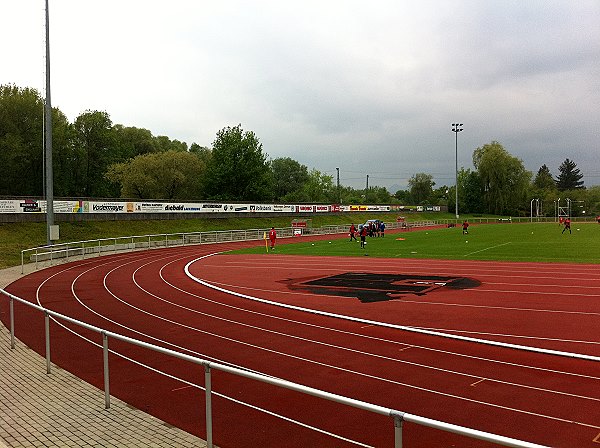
(132, 242)
(398, 416)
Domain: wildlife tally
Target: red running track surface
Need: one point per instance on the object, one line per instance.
(547, 399)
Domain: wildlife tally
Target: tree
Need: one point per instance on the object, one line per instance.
(403, 196)
(421, 187)
(470, 191)
(201, 152)
(288, 176)
(21, 141)
(318, 188)
(569, 177)
(504, 179)
(164, 144)
(94, 143)
(238, 169)
(377, 195)
(163, 175)
(131, 142)
(543, 179)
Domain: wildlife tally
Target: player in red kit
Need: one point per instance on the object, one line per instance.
(272, 237)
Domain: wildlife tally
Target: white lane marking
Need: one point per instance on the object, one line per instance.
(487, 248)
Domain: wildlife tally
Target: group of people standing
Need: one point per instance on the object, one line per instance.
(372, 229)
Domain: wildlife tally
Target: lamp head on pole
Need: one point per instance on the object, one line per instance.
(457, 127)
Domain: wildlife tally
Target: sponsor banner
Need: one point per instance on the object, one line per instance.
(67, 206)
(304, 208)
(173, 208)
(35, 206)
(377, 208)
(212, 208)
(322, 208)
(75, 206)
(358, 208)
(31, 206)
(9, 206)
(107, 207)
(282, 208)
(148, 207)
(258, 208)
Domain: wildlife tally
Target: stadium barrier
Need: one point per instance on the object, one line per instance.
(398, 417)
(55, 252)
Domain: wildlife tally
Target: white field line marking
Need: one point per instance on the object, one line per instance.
(487, 248)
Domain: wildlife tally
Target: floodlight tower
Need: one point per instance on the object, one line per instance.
(48, 140)
(338, 186)
(456, 128)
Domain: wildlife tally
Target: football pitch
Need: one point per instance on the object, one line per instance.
(524, 242)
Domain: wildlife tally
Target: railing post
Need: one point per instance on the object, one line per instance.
(47, 328)
(22, 262)
(208, 397)
(398, 430)
(67, 251)
(36, 258)
(106, 372)
(83, 250)
(12, 323)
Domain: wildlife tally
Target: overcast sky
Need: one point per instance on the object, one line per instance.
(371, 87)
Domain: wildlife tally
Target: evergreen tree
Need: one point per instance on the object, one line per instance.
(543, 179)
(569, 177)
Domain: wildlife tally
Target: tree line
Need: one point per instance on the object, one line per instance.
(94, 157)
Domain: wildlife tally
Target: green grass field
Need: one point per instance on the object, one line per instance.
(500, 242)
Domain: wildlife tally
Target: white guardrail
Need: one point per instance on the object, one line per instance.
(137, 242)
(83, 248)
(397, 416)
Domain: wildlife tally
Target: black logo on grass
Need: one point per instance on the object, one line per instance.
(369, 287)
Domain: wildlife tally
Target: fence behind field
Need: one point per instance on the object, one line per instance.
(100, 246)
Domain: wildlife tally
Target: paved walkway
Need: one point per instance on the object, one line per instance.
(60, 410)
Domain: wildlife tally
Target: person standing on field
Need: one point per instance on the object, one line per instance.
(363, 237)
(567, 226)
(272, 237)
(352, 232)
(465, 227)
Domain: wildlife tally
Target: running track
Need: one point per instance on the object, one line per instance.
(547, 399)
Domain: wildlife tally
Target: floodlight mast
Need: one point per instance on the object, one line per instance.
(48, 138)
(456, 128)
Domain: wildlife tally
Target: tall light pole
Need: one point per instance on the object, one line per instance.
(456, 128)
(48, 140)
(338, 186)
